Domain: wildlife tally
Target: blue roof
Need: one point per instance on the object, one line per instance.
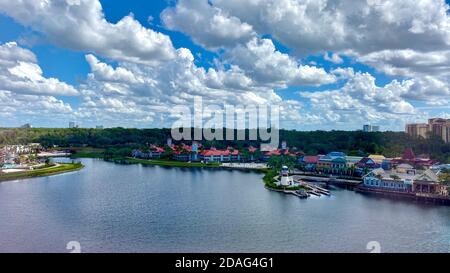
(337, 154)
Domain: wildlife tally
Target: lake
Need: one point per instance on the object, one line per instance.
(133, 208)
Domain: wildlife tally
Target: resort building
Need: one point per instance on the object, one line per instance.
(436, 126)
(228, 155)
(368, 163)
(186, 153)
(153, 152)
(252, 154)
(309, 163)
(377, 158)
(410, 158)
(278, 152)
(417, 130)
(404, 179)
(333, 163)
(440, 127)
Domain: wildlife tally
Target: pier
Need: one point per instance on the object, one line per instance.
(344, 183)
(299, 194)
(418, 197)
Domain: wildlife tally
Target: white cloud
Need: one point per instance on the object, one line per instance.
(409, 62)
(334, 58)
(81, 25)
(410, 39)
(314, 26)
(139, 93)
(206, 25)
(361, 101)
(263, 63)
(20, 74)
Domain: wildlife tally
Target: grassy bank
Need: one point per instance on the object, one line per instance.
(58, 169)
(167, 163)
(87, 152)
(269, 181)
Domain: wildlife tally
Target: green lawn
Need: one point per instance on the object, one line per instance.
(60, 168)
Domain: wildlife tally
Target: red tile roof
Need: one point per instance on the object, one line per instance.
(214, 152)
(311, 159)
(279, 152)
(409, 154)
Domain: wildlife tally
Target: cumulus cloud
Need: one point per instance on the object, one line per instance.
(25, 94)
(409, 62)
(206, 25)
(141, 93)
(333, 57)
(263, 63)
(20, 73)
(314, 26)
(360, 101)
(81, 25)
(136, 75)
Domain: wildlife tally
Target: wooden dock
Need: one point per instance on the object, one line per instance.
(345, 183)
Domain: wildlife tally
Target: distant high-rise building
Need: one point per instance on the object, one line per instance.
(371, 128)
(436, 126)
(73, 125)
(26, 126)
(169, 142)
(417, 130)
(284, 145)
(440, 127)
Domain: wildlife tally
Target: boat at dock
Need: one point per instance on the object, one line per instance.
(302, 194)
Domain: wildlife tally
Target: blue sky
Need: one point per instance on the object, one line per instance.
(127, 63)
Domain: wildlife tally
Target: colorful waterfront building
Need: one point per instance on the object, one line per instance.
(252, 154)
(404, 179)
(153, 152)
(229, 155)
(278, 152)
(410, 158)
(309, 163)
(333, 163)
(368, 163)
(186, 153)
(377, 158)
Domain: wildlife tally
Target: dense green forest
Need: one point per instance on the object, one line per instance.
(390, 144)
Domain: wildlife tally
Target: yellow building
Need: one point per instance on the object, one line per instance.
(377, 158)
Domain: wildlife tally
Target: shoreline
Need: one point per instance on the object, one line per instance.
(60, 168)
(179, 164)
(435, 200)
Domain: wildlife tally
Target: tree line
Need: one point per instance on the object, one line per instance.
(357, 143)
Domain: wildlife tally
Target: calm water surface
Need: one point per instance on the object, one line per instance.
(115, 208)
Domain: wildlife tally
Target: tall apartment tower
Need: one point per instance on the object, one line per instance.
(440, 127)
(417, 130)
(436, 126)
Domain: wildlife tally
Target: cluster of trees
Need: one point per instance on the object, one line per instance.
(445, 176)
(390, 144)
